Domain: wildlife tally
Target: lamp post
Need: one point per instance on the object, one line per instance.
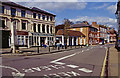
(13, 35)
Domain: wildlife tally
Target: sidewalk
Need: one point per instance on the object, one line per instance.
(34, 51)
(113, 61)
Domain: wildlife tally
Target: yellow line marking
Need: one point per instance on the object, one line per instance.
(103, 68)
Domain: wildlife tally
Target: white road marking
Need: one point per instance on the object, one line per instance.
(63, 58)
(58, 63)
(72, 66)
(85, 70)
(16, 73)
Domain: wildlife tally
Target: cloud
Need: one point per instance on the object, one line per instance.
(100, 20)
(55, 6)
(100, 7)
(112, 8)
(65, 0)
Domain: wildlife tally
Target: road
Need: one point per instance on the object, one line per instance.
(77, 62)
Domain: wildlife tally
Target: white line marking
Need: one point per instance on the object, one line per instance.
(18, 74)
(58, 63)
(85, 70)
(63, 58)
(72, 66)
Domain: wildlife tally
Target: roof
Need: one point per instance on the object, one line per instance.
(42, 11)
(10, 3)
(82, 25)
(70, 33)
(112, 31)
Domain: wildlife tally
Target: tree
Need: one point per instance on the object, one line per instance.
(67, 25)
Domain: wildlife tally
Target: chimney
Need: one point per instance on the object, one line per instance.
(94, 23)
(86, 22)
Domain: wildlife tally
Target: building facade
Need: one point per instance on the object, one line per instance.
(89, 31)
(101, 33)
(33, 25)
(111, 35)
(70, 37)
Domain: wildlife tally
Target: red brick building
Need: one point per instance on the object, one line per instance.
(101, 33)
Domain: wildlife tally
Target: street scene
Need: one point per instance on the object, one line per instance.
(59, 39)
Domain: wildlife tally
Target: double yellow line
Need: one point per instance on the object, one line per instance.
(104, 63)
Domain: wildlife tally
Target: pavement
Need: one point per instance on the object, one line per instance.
(114, 62)
(34, 51)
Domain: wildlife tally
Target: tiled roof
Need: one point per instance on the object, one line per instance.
(80, 25)
(70, 33)
(111, 31)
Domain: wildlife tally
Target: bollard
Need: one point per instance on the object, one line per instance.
(38, 49)
(58, 48)
(49, 49)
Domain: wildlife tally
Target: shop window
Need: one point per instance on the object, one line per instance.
(43, 28)
(3, 23)
(23, 26)
(13, 11)
(22, 13)
(34, 27)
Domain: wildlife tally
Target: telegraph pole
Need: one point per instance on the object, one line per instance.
(13, 35)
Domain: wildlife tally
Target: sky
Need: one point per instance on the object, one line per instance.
(100, 11)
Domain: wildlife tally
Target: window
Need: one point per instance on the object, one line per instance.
(43, 17)
(50, 18)
(13, 11)
(47, 28)
(23, 26)
(81, 29)
(39, 16)
(3, 9)
(47, 18)
(74, 29)
(34, 15)
(51, 29)
(22, 13)
(39, 28)
(43, 28)
(34, 27)
(3, 23)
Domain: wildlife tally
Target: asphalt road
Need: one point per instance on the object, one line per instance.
(77, 62)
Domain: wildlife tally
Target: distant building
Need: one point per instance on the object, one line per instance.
(89, 32)
(69, 37)
(111, 35)
(101, 33)
(33, 25)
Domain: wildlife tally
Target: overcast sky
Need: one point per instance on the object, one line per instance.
(101, 11)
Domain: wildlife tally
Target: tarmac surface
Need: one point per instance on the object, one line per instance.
(71, 63)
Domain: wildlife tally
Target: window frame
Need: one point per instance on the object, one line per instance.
(23, 14)
(13, 10)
